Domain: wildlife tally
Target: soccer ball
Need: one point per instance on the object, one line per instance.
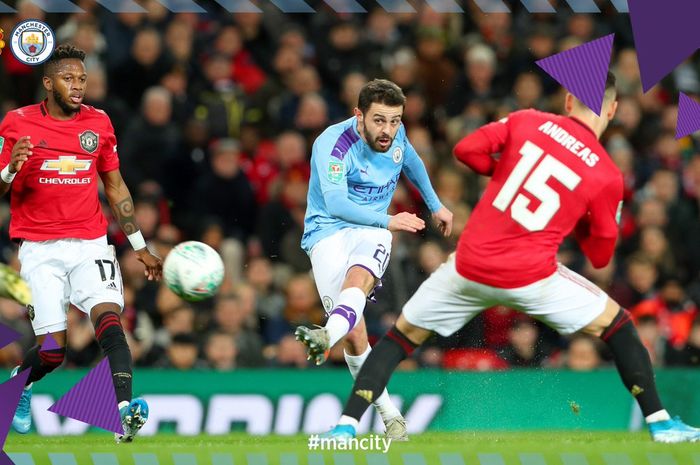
(193, 271)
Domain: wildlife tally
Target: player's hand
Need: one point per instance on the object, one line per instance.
(405, 221)
(443, 220)
(154, 265)
(21, 152)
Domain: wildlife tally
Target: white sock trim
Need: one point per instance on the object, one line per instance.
(346, 420)
(661, 415)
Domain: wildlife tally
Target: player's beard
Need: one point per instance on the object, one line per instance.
(373, 142)
(63, 104)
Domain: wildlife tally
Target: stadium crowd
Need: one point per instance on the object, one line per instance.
(215, 115)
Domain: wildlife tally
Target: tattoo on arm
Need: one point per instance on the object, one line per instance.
(124, 210)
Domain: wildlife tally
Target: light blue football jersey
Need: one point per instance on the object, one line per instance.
(342, 161)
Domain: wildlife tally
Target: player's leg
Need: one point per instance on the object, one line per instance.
(443, 303)
(347, 268)
(96, 284)
(47, 313)
(569, 302)
(358, 258)
(357, 349)
(615, 327)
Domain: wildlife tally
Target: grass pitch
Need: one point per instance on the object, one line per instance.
(464, 448)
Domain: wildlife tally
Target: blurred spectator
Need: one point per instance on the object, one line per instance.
(220, 351)
(181, 353)
(151, 140)
(235, 319)
(225, 192)
(688, 354)
(525, 348)
(584, 353)
(148, 62)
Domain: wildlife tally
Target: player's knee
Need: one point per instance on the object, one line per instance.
(611, 314)
(52, 358)
(108, 330)
(359, 277)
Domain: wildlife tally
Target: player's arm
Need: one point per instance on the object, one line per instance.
(122, 204)
(14, 152)
(476, 150)
(596, 233)
(414, 168)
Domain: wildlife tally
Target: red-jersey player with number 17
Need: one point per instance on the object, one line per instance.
(552, 177)
(51, 156)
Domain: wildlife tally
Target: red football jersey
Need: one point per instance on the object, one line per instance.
(551, 176)
(55, 193)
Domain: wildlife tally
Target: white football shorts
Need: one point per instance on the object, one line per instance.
(446, 301)
(333, 256)
(64, 271)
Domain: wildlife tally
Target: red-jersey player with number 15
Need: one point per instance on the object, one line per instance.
(552, 177)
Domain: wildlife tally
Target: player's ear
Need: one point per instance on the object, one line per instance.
(612, 110)
(358, 113)
(48, 84)
(569, 102)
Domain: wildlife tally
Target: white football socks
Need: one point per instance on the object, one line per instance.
(661, 415)
(383, 403)
(346, 314)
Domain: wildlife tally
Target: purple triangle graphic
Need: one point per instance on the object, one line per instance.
(92, 400)
(49, 343)
(8, 335)
(5, 459)
(582, 70)
(688, 116)
(665, 33)
(10, 392)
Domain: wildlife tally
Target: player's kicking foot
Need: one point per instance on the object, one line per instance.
(341, 433)
(672, 431)
(318, 342)
(12, 286)
(134, 416)
(396, 429)
(22, 421)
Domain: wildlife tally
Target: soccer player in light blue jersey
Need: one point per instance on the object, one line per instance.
(355, 167)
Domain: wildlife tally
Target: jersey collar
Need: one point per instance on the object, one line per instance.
(587, 127)
(45, 111)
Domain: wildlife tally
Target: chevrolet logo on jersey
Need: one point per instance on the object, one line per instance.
(66, 165)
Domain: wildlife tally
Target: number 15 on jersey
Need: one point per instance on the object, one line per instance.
(535, 183)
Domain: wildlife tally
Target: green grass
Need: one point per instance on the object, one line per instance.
(599, 448)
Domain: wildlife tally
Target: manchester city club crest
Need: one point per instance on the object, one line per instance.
(89, 141)
(32, 42)
(397, 156)
(327, 303)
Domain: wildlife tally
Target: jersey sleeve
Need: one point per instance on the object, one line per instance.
(476, 150)
(604, 210)
(8, 138)
(108, 159)
(330, 163)
(597, 232)
(414, 168)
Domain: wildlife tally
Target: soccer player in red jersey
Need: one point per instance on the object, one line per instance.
(552, 177)
(51, 156)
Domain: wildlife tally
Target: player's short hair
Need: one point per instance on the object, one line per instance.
(380, 91)
(62, 52)
(610, 86)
